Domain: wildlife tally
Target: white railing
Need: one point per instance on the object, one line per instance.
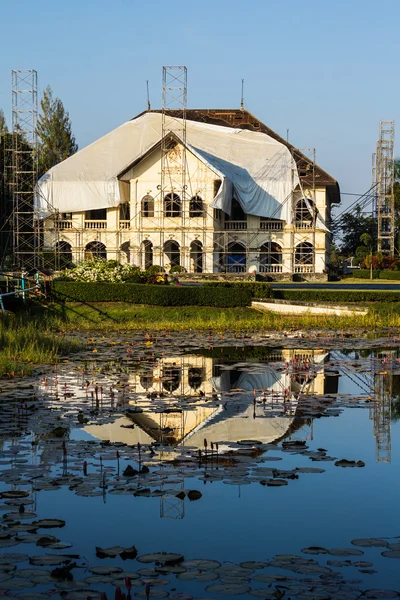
(304, 225)
(270, 268)
(124, 224)
(236, 225)
(65, 224)
(304, 269)
(271, 225)
(95, 224)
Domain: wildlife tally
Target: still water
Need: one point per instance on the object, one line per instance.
(216, 421)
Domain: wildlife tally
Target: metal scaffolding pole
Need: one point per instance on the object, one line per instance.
(24, 168)
(173, 157)
(385, 187)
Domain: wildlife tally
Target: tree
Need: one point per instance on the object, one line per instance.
(56, 141)
(351, 227)
(3, 124)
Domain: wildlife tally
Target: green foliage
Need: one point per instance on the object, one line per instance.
(259, 289)
(177, 269)
(26, 341)
(149, 294)
(339, 296)
(155, 269)
(351, 227)
(365, 274)
(54, 129)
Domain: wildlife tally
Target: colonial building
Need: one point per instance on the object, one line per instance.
(218, 193)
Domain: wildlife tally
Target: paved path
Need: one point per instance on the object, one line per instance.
(337, 286)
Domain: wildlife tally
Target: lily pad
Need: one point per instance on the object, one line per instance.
(228, 589)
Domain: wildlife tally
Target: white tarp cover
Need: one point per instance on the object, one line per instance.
(254, 168)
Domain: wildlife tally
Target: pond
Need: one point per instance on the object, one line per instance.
(206, 469)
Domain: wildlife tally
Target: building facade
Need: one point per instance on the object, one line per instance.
(157, 223)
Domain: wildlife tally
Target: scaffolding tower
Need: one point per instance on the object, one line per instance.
(384, 173)
(24, 168)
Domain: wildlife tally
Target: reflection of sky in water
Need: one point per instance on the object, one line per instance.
(251, 522)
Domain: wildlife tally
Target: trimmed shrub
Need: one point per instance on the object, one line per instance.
(393, 275)
(259, 289)
(365, 274)
(149, 294)
(339, 296)
(177, 269)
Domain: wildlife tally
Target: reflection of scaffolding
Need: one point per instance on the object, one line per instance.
(384, 173)
(24, 167)
(382, 414)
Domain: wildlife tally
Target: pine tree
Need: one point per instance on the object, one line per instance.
(56, 141)
(3, 124)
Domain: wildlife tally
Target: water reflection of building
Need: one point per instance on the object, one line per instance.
(188, 398)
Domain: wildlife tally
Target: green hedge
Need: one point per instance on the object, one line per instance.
(160, 295)
(259, 289)
(365, 274)
(340, 296)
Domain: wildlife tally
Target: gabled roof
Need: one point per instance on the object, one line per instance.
(243, 119)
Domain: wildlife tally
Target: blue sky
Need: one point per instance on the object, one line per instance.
(326, 70)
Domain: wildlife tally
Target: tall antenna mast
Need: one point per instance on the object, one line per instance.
(242, 98)
(148, 95)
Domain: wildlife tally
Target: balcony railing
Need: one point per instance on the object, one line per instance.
(304, 225)
(124, 224)
(271, 225)
(65, 224)
(95, 224)
(304, 269)
(235, 225)
(270, 268)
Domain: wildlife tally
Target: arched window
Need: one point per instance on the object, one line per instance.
(172, 377)
(64, 250)
(147, 254)
(305, 212)
(95, 250)
(147, 206)
(196, 208)
(304, 254)
(172, 205)
(236, 258)
(237, 213)
(196, 257)
(195, 377)
(270, 258)
(172, 250)
(146, 379)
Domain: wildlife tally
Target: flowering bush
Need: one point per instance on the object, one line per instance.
(381, 262)
(111, 272)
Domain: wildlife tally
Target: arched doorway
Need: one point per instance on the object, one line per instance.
(95, 250)
(304, 257)
(64, 252)
(270, 258)
(125, 254)
(147, 254)
(172, 250)
(196, 257)
(236, 258)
